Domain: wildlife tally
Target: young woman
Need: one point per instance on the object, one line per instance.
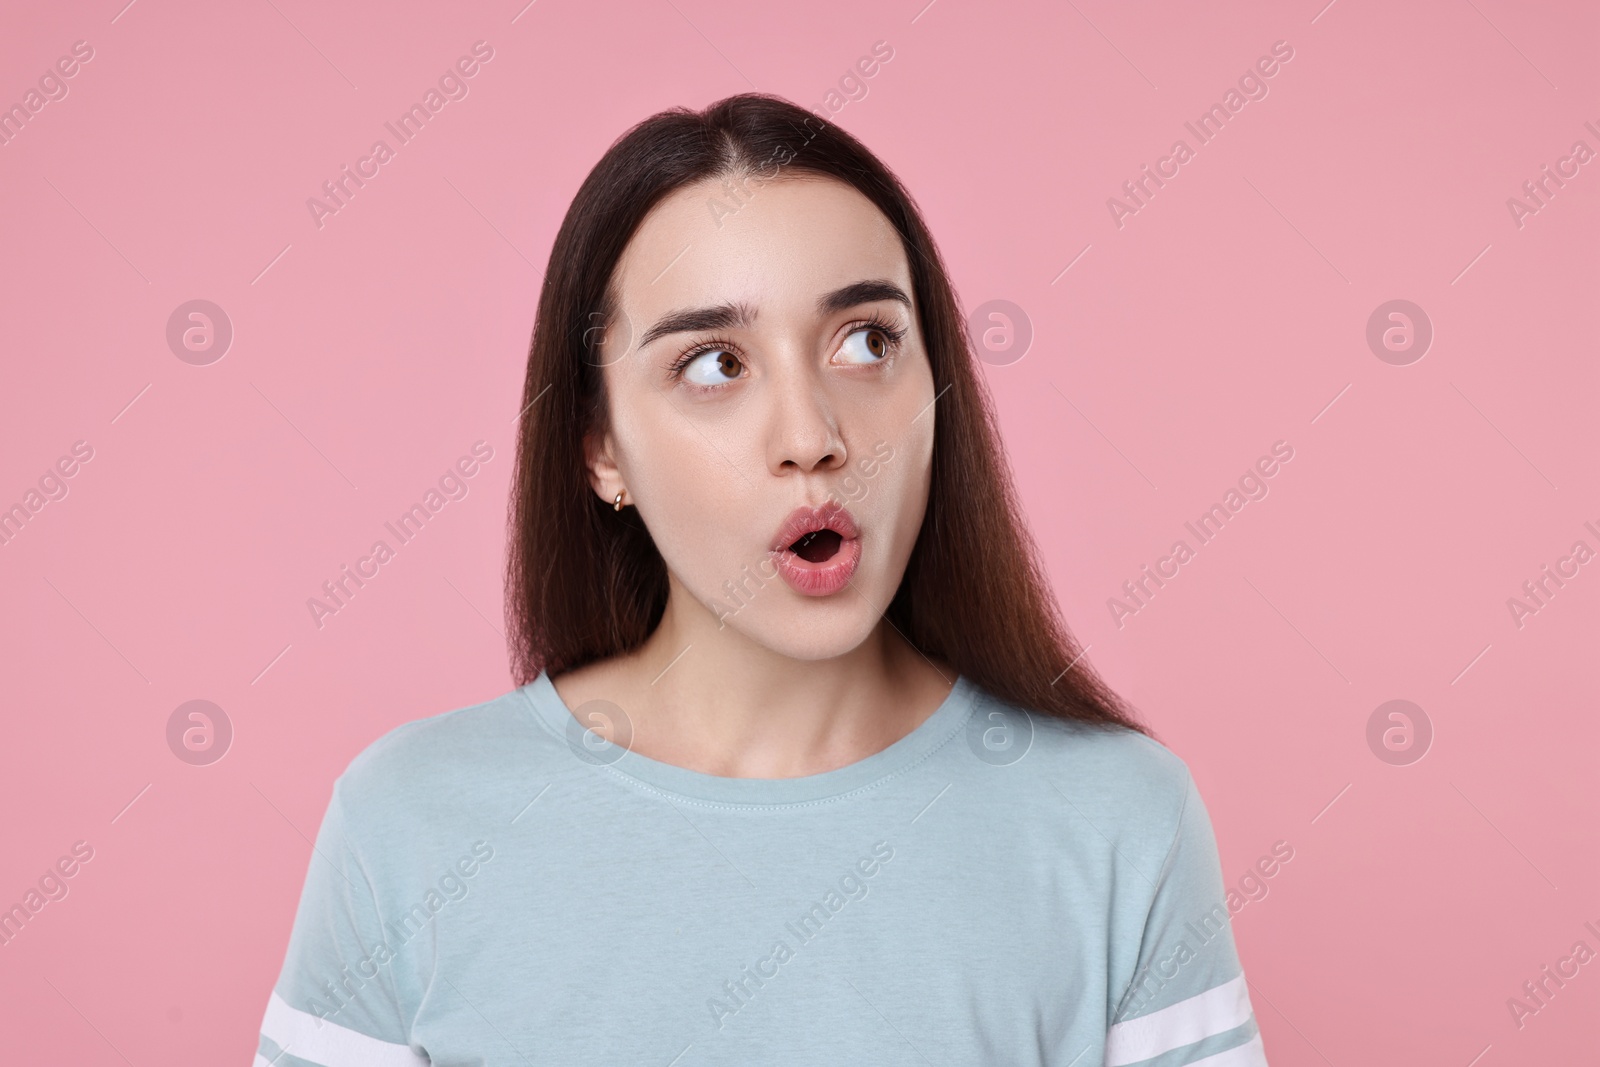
(803, 766)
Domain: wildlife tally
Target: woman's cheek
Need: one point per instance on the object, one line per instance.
(697, 531)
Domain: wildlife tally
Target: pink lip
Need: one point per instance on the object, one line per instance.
(831, 575)
(803, 520)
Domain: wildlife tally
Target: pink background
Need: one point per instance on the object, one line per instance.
(1229, 313)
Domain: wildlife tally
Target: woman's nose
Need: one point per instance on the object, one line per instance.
(805, 432)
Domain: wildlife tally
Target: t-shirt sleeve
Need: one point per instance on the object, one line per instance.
(1187, 1002)
(335, 1003)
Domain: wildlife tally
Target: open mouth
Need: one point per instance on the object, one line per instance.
(818, 546)
(817, 549)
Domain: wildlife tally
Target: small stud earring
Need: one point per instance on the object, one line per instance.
(616, 505)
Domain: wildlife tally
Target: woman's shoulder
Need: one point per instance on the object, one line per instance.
(450, 753)
(1108, 768)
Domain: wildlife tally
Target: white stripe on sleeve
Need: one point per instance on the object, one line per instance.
(304, 1035)
(1249, 1054)
(1213, 1012)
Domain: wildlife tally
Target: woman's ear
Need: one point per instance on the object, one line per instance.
(604, 475)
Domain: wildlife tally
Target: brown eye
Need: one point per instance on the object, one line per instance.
(869, 344)
(714, 366)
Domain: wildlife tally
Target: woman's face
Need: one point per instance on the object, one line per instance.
(766, 358)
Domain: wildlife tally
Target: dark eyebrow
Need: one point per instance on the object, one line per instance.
(856, 293)
(741, 316)
(720, 317)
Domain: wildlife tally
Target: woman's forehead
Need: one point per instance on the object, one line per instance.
(777, 244)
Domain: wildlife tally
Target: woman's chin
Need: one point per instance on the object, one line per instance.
(803, 633)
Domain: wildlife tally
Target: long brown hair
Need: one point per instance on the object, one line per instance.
(584, 582)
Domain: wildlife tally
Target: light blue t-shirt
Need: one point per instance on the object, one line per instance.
(500, 886)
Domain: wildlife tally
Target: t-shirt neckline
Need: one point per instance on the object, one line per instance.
(933, 732)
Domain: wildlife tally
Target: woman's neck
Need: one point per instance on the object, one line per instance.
(715, 701)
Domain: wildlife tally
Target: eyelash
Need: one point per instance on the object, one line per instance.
(876, 322)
